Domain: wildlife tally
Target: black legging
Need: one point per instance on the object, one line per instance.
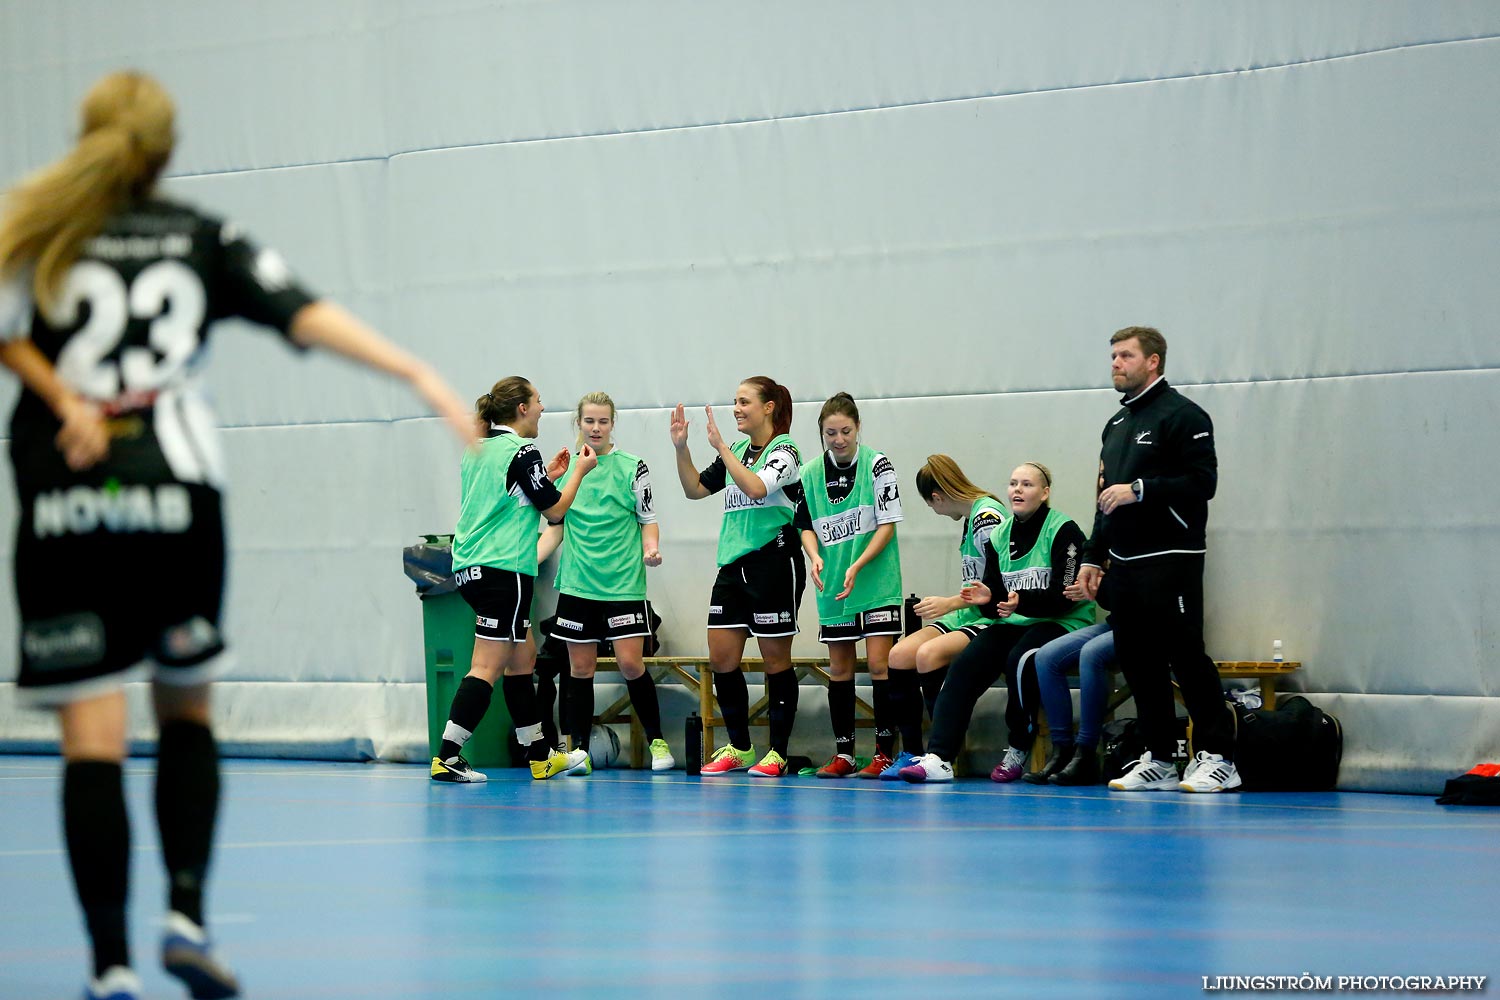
(1156, 611)
(997, 650)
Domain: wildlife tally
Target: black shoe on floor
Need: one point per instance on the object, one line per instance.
(1061, 754)
(1083, 769)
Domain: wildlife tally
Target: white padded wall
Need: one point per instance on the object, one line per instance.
(944, 212)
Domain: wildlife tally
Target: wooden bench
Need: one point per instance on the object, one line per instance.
(694, 673)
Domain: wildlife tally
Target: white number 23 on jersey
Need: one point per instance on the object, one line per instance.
(167, 292)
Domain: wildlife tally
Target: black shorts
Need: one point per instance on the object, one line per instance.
(864, 624)
(760, 592)
(501, 599)
(118, 583)
(584, 620)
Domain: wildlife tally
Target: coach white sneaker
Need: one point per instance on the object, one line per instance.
(1209, 772)
(1146, 775)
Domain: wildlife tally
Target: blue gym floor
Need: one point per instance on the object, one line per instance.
(370, 881)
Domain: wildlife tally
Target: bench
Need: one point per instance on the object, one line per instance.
(694, 673)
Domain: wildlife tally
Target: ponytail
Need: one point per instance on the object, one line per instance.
(503, 402)
(942, 474)
(779, 396)
(125, 142)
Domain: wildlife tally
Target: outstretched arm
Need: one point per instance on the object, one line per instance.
(331, 327)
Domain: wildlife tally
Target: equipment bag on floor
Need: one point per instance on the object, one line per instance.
(1296, 748)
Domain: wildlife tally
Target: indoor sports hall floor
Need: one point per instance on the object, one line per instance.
(370, 881)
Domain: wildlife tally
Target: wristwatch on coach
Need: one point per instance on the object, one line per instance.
(1136, 488)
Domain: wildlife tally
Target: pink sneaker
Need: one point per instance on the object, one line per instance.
(1011, 768)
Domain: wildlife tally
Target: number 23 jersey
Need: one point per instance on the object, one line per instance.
(128, 330)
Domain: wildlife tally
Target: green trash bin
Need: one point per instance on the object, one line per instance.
(448, 638)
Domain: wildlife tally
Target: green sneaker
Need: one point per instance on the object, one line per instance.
(727, 758)
(661, 756)
(772, 765)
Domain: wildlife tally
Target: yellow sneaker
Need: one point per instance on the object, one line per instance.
(727, 758)
(455, 769)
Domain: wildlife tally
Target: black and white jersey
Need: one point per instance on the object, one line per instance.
(526, 477)
(128, 331)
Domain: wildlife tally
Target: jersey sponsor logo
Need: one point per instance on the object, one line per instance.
(568, 623)
(875, 617)
(618, 621)
(271, 272)
(845, 526)
(469, 575)
(766, 619)
(538, 477)
(1031, 578)
(735, 499)
(888, 495)
(1201, 434)
(716, 609)
(75, 640)
(191, 639)
(973, 568)
(646, 500)
(1144, 437)
(483, 622)
(80, 510)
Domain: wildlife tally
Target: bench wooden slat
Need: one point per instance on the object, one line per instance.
(694, 673)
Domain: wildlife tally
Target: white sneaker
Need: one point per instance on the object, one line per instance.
(1146, 775)
(117, 983)
(1209, 772)
(579, 762)
(661, 756)
(928, 768)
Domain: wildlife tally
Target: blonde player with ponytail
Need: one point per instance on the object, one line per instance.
(608, 539)
(107, 293)
(919, 662)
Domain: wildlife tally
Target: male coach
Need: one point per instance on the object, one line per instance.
(1160, 471)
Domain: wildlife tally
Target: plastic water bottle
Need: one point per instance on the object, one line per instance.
(911, 622)
(1276, 651)
(693, 739)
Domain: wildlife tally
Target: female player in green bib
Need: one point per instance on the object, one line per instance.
(504, 492)
(919, 662)
(608, 539)
(847, 520)
(1031, 564)
(761, 573)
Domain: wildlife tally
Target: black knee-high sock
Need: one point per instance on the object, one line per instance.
(885, 725)
(97, 828)
(931, 684)
(646, 705)
(520, 702)
(580, 710)
(547, 692)
(782, 690)
(906, 709)
(841, 714)
(734, 704)
(470, 702)
(187, 806)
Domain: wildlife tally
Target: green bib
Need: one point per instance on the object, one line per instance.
(495, 527)
(1033, 571)
(752, 524)
(601, 550)
(971, 559)
(844, 531)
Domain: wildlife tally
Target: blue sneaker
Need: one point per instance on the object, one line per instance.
(185, 953)
(893, 773)
(117, 983)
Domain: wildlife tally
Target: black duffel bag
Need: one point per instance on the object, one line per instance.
(1296, 748)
